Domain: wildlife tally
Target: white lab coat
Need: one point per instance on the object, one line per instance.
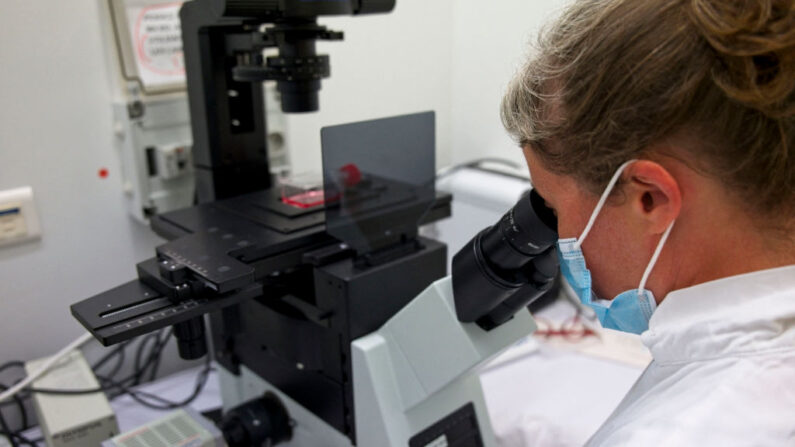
(723, 372)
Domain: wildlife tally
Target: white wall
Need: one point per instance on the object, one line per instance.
(490, 42)
(55, 134)
(450, 56)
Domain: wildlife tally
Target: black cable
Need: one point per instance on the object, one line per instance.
(22, 413)
(119, 363)
(20, 438)
(151, 362)
(16, 400)
(20, 405)
(7, 431)
(27, 441)
(118, 351)
(159, 354)
(138, 395)
(144, 362)
(12, 364)
(153, 357)
(115, 384)
(10, 403)
(139, 352)
(141, 396)
(124, 385)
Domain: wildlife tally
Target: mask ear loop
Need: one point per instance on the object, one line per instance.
(601, 203)
(654, 258)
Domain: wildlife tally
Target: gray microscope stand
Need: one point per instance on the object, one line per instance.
(414, 371)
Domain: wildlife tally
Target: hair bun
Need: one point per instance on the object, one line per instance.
(755, 42)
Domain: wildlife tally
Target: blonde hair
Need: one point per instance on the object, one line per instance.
(611, 79)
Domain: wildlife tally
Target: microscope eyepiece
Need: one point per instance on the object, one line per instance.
(508, 265)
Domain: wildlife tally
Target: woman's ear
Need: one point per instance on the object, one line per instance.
(653, 193)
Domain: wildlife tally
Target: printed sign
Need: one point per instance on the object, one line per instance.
(157, 42)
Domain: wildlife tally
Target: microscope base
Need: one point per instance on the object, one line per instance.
(416, 380)
(309, 430)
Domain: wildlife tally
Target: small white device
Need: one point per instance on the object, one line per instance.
(72, 420)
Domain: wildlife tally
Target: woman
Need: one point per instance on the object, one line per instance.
(679, 114)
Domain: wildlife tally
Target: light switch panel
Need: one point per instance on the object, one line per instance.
(18, 219)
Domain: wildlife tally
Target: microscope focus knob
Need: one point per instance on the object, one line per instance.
(259, 422)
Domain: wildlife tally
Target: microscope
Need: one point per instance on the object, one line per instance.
(332, 322)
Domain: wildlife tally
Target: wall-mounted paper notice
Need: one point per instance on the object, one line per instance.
(157, 41)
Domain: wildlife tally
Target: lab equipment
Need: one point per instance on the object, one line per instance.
(60, 424)
(332, 324)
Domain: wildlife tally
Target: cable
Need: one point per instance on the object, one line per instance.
(12, 436)
(138, 395)
(159, 354)
(139, 355)
(46, 366)
(445, 172)
(12, 364)
(20, 406)
(151, 362)
(117, 351)
(20, 396)
(8, 432)
(115, 384)
(150, 366)
(142, 397)
(119, 363)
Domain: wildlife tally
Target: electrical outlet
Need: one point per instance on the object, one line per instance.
(18, 219)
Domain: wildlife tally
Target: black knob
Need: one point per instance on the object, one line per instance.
(191, 341)
(259, 422)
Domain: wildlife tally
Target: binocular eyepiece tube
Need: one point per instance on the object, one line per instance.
(508, 265)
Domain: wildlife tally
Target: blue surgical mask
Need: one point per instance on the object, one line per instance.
(630, 311)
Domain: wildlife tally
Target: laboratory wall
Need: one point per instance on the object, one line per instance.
(56, 132)
(56, 136)
(491, 40)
